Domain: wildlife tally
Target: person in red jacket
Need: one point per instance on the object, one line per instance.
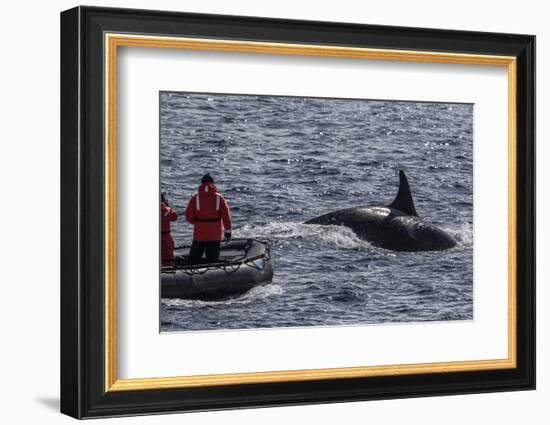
(209, 213)
(167, 215)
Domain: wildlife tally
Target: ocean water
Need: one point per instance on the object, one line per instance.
(282, 160)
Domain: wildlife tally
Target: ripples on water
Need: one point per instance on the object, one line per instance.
(282, 160)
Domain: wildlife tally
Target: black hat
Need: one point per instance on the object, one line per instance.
(207, 178)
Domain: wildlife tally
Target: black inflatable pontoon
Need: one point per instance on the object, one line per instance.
(243, 264)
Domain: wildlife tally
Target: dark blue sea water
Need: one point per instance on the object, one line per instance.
(282, 160)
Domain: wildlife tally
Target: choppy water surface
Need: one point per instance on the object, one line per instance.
(282, 160)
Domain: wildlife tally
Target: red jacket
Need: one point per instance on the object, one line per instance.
(167, 215)
(207, 211)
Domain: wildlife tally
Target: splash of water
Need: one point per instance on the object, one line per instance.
(257, 293)
(463, 234)
(338, 236)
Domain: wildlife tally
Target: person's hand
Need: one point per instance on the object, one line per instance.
(227, 235)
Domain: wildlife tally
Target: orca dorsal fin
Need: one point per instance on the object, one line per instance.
(404, 200)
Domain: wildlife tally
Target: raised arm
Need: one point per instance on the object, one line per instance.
(168, 213)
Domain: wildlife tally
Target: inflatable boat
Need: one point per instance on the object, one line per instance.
(243, 264)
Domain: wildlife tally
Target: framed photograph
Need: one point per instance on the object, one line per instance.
(261, 212)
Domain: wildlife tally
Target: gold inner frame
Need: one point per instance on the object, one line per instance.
(113, 41)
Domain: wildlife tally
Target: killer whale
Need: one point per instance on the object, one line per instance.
(396, 227)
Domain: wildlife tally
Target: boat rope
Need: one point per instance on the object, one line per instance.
(232, 266)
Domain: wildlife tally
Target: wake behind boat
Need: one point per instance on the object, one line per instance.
(242, 265)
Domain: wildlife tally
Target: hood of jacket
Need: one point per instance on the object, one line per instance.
(208, 189)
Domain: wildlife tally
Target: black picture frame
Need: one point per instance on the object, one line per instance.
(83, 392)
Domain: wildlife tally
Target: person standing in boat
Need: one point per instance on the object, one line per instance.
(167, 215)
(210, 216)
